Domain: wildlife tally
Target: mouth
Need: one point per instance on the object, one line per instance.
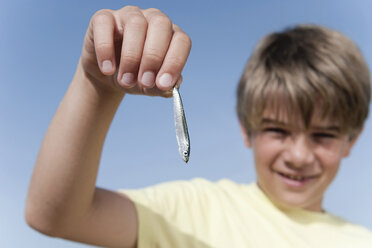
(295, 181)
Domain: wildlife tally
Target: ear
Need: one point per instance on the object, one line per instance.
(351, 143)
(246, 138)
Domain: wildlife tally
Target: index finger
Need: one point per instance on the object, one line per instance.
(175, 59)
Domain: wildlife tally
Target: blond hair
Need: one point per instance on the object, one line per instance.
(305, 69)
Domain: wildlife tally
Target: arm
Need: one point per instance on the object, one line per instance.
(63, 200)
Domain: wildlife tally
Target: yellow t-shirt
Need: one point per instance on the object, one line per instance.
(203, 214)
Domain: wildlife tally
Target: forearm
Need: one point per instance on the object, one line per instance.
(63, 182)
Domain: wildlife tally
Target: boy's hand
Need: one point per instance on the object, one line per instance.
(148, 51)
(134, 51)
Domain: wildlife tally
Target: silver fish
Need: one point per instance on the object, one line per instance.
(182, 132)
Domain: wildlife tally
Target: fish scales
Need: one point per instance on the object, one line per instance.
(182, 133)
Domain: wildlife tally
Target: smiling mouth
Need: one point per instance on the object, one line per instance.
(296, 177)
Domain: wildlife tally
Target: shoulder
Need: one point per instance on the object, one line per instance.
(359, 235)
(353, 232)
(170, 193)
(358, 231)
(183, 192)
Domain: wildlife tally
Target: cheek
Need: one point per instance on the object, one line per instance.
(330, 158)
(265, 152)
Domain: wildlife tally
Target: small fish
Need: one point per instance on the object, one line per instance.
(182, 133)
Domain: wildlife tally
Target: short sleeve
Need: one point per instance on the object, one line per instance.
(169, 214)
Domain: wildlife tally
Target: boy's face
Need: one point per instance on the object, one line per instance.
(295, 165)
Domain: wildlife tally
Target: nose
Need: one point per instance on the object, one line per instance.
(298, 152)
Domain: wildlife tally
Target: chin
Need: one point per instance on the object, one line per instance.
(296, 201)
(287, 199)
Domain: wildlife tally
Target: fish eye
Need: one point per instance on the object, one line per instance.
(185, 153)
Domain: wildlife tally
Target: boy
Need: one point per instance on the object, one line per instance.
(302, 102)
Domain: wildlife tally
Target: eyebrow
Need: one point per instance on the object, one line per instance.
(273, 121)
(327, 128)
(333, 128)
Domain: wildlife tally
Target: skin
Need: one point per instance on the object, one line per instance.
(63, 200)
(281, 147)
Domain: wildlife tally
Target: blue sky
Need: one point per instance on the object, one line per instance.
(40, 45)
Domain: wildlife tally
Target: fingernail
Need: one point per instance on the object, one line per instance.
(148, 78)
(127, 79)
(106, 66)
(166, 80)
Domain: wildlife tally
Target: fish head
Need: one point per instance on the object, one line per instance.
(185, 153)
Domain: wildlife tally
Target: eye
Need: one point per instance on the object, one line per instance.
(324, 135)
(185, 153)
(276, 130)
